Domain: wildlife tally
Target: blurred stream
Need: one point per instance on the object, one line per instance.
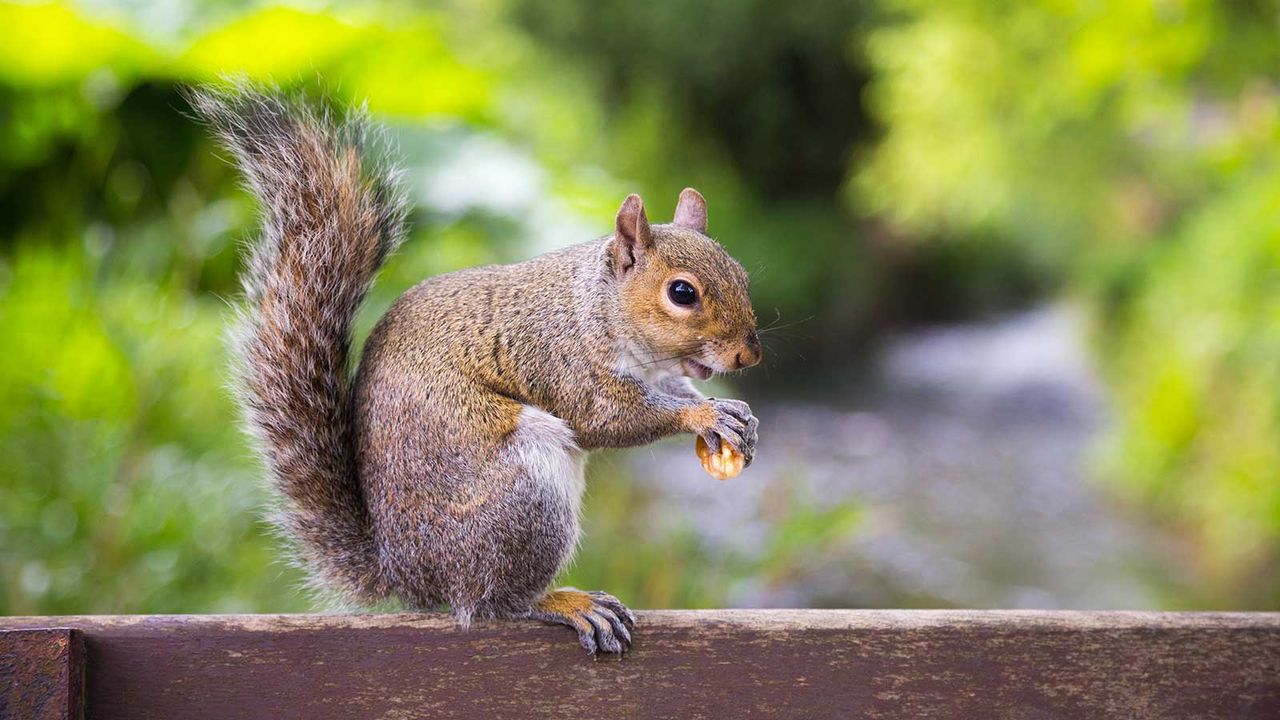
(965, 464)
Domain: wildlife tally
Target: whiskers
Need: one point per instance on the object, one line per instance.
(781, 336)
(777, 325)
(679, 357)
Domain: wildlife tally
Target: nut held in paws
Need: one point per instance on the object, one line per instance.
(721, 465)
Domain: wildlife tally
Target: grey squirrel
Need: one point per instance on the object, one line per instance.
(450, 470)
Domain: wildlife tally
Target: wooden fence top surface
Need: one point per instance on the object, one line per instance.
(758, 620)
(685, 664)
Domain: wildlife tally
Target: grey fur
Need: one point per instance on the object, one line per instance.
(451, 472)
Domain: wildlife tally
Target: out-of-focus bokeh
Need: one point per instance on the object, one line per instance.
(1019, 264)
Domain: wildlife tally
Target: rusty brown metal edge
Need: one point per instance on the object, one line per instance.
(43, 658)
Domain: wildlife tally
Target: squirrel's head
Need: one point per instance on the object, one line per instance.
(683, 299)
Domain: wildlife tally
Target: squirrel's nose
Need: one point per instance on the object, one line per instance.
(751, 354)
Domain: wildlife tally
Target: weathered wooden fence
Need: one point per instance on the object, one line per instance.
(700, 664)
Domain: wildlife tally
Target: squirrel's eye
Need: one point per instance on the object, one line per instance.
(682, 292)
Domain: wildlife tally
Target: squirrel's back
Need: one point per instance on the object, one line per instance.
(503, 326)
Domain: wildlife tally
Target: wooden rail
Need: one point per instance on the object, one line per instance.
(685, 664)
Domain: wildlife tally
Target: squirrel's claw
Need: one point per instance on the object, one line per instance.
(621, 611)
(605, 639)
(735, 425)
(603, 623)
(616, 625)
(750, 437)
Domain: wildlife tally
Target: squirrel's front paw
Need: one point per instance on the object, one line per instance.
(603, 623)
(730, 421)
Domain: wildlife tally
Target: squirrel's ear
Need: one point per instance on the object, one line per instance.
(631, 237)
(691, 211)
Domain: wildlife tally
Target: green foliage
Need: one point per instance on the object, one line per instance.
(126, 487)
(1129, 150)
(1198, 363)
(870, 162)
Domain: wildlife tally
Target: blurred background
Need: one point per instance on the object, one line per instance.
(1019, 261)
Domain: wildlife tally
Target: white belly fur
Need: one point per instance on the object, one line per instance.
(545, 446)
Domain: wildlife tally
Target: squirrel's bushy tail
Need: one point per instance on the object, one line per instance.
(330, 217)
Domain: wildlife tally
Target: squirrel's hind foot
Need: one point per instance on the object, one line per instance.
(603, 623)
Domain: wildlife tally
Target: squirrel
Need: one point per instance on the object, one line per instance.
(449, 469)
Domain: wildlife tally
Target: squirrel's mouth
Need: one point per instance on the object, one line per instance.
(693, 368)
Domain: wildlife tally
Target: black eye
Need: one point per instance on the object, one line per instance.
(682, 292)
